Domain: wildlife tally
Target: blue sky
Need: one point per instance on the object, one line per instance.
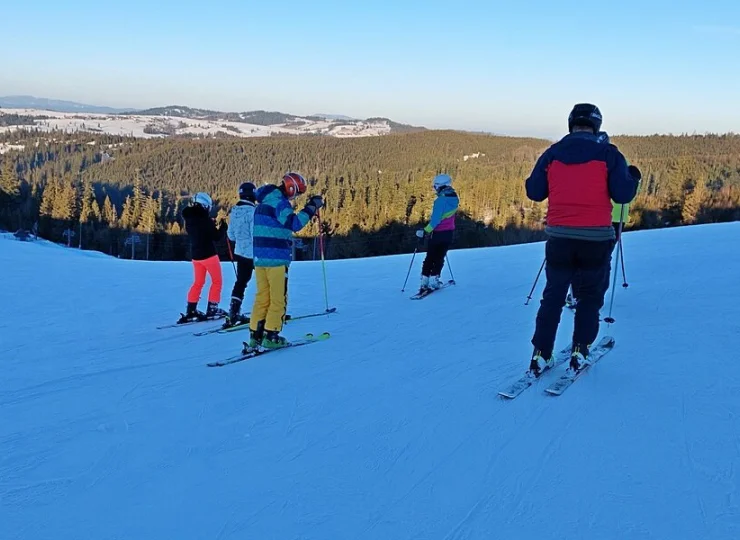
(504, 67)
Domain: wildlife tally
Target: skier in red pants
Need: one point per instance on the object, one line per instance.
(203, 235)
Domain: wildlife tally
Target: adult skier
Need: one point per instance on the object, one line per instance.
(619, 212)
(241, 223)
(581, 177)
(441, 229)
(274, 225)
(203, 234)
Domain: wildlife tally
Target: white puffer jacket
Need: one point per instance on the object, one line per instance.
(241, 223)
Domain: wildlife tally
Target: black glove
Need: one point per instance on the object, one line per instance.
(634, 172)
(316, 201)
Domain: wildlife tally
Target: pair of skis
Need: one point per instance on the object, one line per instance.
(245, 324)
(306, 340)
(423, 293)
(562, 383)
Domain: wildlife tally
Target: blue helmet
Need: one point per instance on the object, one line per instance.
(442, 180)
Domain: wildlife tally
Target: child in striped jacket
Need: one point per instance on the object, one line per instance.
(274, 225)
(441, 229)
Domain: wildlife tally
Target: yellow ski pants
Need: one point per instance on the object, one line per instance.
(271, 298)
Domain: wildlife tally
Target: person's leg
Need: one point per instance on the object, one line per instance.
(261, 300)
(433, 262)
(278, 277)
(199, 280)
(213, 266)
(244, 268)
(559, 271)
(439, 261)
(592, 260)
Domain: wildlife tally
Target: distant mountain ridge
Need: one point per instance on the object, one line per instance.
(256, 117)
(56, 105)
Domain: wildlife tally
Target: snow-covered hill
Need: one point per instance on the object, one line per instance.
(169, 121)
(392, 428)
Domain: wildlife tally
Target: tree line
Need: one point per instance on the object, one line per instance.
(115, 193)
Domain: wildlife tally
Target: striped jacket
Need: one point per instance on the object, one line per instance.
(444, 210)
(274, 225)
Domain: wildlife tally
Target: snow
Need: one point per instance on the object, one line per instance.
(391, 429)
(6, 147)
(133, 125)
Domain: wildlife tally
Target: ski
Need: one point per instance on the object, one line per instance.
(306, 340)
(188, 323)
(528, 379)
(426, 292)
(288, 319)
(595, 354)
(221, 328)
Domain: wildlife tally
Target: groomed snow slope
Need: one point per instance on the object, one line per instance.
(392, 429)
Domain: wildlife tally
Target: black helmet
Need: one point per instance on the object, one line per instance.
(246, 191)
(585, 114)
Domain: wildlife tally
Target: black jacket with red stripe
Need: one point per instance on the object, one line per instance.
(581, 177)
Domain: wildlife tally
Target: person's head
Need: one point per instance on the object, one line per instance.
(441, 180)
(293, 184)
(246, 191)
(584, 117)
(203, 200)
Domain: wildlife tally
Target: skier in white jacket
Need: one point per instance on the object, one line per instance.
(241, 223)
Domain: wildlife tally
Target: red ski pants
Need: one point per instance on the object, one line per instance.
(212, 266)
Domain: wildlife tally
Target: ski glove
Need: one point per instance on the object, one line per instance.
(316, 201)
(313, 204)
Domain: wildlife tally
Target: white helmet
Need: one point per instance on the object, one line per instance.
(442, 180)
(203, 199)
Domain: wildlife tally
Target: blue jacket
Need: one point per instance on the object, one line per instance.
(443, 211)
(274, 225)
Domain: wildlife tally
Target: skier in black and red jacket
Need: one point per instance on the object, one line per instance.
(580, 176)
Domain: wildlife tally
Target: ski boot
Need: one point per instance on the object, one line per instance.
(214, 312)
(424, 287)
(579, 357)
(539, 363)
(191, 314)
(434, 283)
(273, 340)
(234, 318)
(255, 339)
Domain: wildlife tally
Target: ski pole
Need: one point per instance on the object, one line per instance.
(621, 251)
(449, 268)
(410, 265)
(535, 282)
(231, 256)
(323, 262)
(610, 319)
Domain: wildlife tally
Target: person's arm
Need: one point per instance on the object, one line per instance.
(623, 179)
(536, 184)
(232, 224)
(294, 221)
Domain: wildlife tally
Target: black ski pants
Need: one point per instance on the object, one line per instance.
(585, 265)
(244, 269)
(437, 247)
